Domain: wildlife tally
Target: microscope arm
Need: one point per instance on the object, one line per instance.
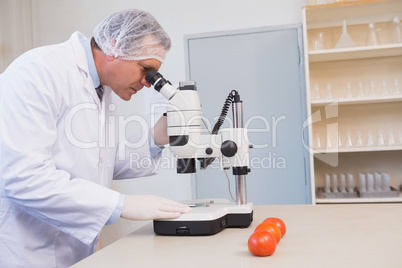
(186, 140)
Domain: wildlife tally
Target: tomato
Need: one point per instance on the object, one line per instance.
(262, 243)
(271, 228)
(278, 223)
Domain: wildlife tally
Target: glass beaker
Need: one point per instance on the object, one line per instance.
(372, 37)
(396, 31)
(319, 42)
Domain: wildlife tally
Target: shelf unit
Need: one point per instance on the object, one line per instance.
(354, 95)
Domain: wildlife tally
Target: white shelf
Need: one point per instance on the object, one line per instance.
(355, 53)
(358, 149)
(353, 64)
(331, 15)
(359, 200)
(353, 101)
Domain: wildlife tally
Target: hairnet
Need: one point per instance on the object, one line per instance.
(132, 35)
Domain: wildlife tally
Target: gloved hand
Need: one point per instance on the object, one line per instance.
(150, 207)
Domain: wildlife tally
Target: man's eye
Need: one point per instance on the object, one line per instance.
(146, 69)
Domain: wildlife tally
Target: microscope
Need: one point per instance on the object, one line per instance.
(187, 143)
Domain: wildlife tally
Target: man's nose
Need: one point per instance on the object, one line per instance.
(145, 82)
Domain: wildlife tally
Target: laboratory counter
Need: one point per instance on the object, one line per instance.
(336, 235)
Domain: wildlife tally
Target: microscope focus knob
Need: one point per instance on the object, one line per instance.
(229, 148)
(209, 151)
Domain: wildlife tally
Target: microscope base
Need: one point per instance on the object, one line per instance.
(207, 217)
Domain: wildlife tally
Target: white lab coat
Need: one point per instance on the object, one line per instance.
(56, 159)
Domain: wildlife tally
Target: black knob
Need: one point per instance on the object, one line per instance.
(229, 148)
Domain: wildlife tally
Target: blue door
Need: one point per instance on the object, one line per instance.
(266, 67)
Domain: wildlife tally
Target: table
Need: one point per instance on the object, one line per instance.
(333, 235)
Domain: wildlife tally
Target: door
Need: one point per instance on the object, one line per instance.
(265, 66)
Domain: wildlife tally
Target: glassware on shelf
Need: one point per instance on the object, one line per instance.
(327, 183)
(345, 40)
(380, 139)
(397, 89)
(317, 141)
(317, 92)
(386, 182)
(384, 88)
(340, 144)
(370, 182)
(334, 183)
(391, 138)
(329, 143)
(350, 183)
(396, 31)
(329, 91)
(370, 141)
(319, 41)
(342, 183)
(359, 139)
(399, 136)
(348, 139)
(349, 93)
(372, 89)
(360, 90)
(362, 183)
(372, 37)
(378, 182)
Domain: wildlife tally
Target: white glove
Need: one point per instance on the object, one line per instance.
(151, 207)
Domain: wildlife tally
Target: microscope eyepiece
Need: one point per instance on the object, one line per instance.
(156, 79)
(152, 76)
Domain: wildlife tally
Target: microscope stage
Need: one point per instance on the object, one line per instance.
(207, 217)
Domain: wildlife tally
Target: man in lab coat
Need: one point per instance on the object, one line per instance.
(57, 159)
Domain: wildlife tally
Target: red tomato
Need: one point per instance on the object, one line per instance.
(278, 223)
(262, 243)
(271, 228)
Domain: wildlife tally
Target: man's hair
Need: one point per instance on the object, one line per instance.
(94, 44)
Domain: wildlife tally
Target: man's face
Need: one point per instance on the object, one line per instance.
(126, 77)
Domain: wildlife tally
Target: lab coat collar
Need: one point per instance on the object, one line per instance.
(86, 43)
(82, 63)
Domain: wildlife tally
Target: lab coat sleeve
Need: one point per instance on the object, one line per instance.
(30, 178)
(137, 157)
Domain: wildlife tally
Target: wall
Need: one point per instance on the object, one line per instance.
(178, 17)
(15, 30)
(54, 20)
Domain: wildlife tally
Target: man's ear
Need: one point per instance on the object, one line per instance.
(110, 58)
